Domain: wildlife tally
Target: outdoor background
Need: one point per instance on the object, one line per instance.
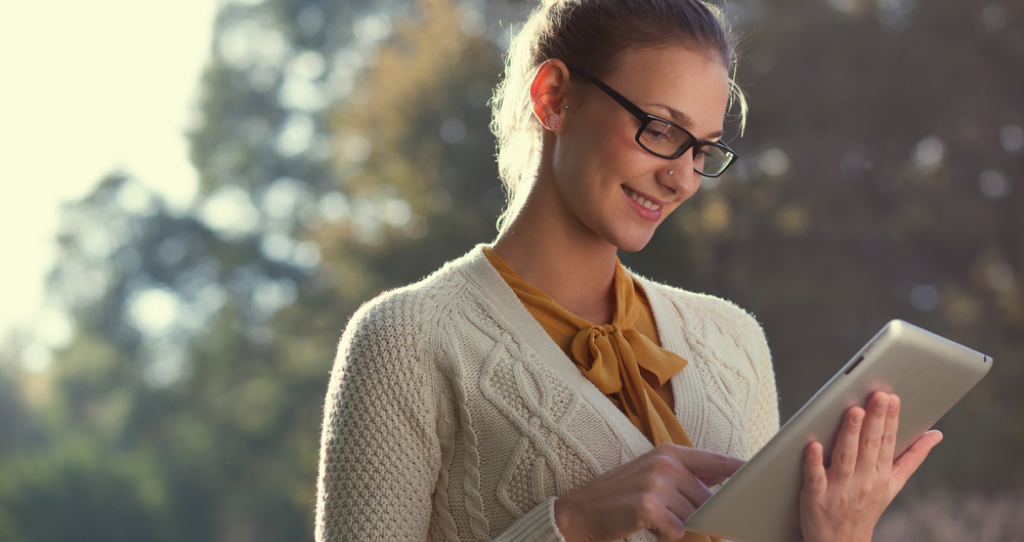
(174, 389)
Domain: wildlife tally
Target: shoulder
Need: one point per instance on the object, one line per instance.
(415, 314)
(691, 306)
(400, 313)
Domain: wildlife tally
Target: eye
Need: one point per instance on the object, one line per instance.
(656, 131)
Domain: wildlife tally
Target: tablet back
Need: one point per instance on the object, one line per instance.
(760, 503)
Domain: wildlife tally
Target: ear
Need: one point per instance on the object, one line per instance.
(547, 92)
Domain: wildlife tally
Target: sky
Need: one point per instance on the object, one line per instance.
(88, 88)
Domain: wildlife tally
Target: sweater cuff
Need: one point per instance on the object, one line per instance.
(537, 525)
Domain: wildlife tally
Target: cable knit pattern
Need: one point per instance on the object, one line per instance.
(452, 416)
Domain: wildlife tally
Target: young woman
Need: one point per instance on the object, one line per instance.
(536, 390)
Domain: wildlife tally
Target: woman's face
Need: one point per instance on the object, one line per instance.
(599, 169)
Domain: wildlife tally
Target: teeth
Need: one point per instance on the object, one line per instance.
(639, 199)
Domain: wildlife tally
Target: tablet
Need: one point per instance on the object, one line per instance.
(760, 502)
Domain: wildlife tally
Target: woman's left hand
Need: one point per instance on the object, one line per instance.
(844, 502)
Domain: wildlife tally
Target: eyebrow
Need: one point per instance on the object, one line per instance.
(684, 120)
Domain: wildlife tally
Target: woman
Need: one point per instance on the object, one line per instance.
(483, 403)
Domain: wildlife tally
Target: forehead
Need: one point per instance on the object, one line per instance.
(665, 78)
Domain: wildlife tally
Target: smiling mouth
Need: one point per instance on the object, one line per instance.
(646, 204)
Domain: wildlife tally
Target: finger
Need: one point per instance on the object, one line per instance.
(671, 477)
(815, 480)
(705, 463)
(667, 522)
(913, 457)
(871, 432)
(681, 507)
(844, 455)
(692, 489)
(712, 480)
(892, 424)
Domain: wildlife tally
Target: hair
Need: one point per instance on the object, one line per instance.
(590, 34)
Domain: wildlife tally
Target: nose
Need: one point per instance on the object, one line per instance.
(679, 176)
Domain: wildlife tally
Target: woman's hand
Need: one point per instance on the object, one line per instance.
(656, 491)
(844, 502)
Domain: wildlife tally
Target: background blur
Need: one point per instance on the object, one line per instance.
(172, 388)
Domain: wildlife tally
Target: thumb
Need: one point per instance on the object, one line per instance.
(913, 457)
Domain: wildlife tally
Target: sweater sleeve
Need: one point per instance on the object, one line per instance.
(379, 451)
(764, 420)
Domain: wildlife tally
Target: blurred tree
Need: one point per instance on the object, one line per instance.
(203, 341)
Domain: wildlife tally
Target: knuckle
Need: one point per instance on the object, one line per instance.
(648, 505)
(655, 485)
(841, 501)
(847, 459)
(663, 465)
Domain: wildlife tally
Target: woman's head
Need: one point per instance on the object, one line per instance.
(593, 35)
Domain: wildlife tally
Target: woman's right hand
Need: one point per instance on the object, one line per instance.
(656, 491)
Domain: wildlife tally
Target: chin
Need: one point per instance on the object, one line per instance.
(632, 241)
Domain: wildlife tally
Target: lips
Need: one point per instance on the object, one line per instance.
(647, 209)
(645, 203)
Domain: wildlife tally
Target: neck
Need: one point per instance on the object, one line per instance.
(549, 248)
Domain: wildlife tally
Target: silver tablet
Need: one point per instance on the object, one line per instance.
(760, 503)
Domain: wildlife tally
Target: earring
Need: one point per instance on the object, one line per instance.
(565, 107)
(670, 172)
(553, 123)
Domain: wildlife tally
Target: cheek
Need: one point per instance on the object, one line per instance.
(615, 154)
(595, 156)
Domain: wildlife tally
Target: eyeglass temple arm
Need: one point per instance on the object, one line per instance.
(632, 108)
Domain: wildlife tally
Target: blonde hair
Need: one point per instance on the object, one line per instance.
(590, 34)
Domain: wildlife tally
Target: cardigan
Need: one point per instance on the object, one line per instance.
(451, 415)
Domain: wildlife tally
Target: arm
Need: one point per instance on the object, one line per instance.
(380, 455)
(379, 452)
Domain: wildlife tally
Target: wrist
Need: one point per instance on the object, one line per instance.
(567, 520)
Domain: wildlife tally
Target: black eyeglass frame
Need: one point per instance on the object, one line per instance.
(646, 118)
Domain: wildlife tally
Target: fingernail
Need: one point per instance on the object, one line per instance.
(815, 452)
(855, 420)
(893, 405)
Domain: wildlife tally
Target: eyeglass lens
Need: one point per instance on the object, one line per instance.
(666, 140)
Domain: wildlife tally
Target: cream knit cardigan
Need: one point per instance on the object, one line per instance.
(452, 416)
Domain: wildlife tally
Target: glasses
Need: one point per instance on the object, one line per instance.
(667, 139)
